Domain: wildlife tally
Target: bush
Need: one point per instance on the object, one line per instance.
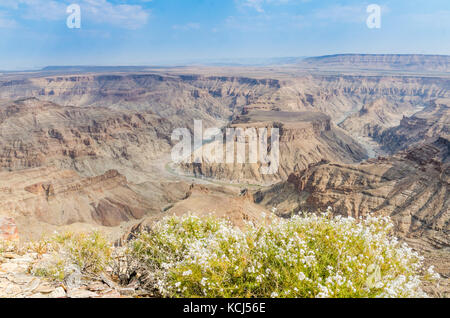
(9, 247)
(90, 253)
(306, 256)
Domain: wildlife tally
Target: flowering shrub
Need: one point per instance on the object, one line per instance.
(6, 246)
(90, 253)
(306, 256)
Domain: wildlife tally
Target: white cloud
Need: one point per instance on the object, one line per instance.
(439, 19)
(287, 19)
(258, 5)
(254, 4)
(94, 11)
(14, 4)
(7, 23)
(43, 10)
(124, 15)
(266, 17)
(187, 26)
(342, 13)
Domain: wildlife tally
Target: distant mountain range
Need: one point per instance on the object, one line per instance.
(372, 61)
(380, 62)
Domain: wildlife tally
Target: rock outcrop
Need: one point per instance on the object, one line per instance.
(8, 229)
(374, 118)
(411, 186)
(432, 122)
(305, 138)
(236, 206)
(42, 200)
(36, 133)
(16, 281)
(62, 197)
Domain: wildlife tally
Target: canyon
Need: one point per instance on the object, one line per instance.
(84, 149)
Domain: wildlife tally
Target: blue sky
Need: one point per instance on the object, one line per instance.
(33, 33)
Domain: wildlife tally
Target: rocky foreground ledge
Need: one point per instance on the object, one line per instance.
(16, 281)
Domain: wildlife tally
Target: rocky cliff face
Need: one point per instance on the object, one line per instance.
(410, 186)
(36, 134)
(182, 98)
(60, 165)
(374, 118)
(61, 197)
(305, 138)
(41, 200)
(179, 98)
(432, 122)
(340, 95)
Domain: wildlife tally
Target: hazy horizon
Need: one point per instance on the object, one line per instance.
(238, 62)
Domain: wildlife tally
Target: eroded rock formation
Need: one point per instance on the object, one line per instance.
(305, 138)
(429, 123)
